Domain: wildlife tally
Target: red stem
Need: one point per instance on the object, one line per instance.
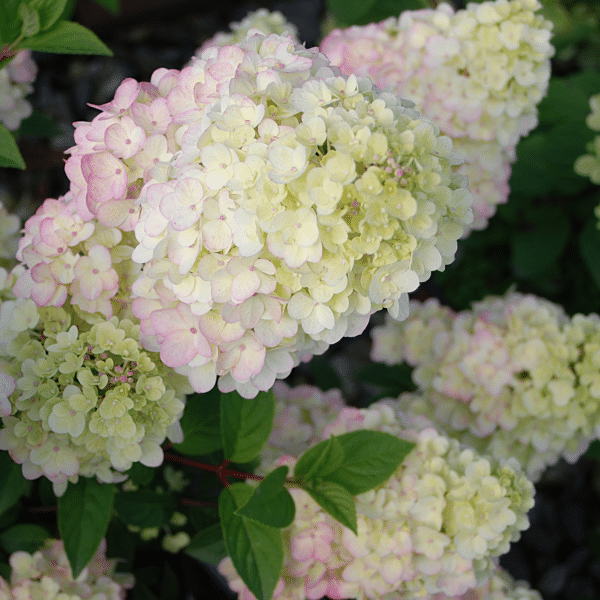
(221, 470)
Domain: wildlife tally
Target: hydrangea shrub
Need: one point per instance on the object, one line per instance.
(432, 528)
(257, 206)
(478, 72)
(513, 377)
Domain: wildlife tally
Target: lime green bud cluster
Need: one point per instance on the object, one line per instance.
(87, 399)
(588, 165)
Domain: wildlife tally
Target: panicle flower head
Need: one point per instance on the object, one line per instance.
(262, 19)
(432, 528)
(15, 83)
(513, 377)
(81, 398)
(588, 165)
(479, 73)
(275, 206)
(47, 574)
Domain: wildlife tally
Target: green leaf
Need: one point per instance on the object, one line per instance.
(9, 151)
(12, 482)
(169, 583)
(245, 424)
(256, 550)
(348, 12)
(391, 377)
(382, 9)
(323, 375)
(534, 251)
(320, 460)
(10, 23)
(141, 474)
(589, 246)
(201, 424)
(5, 571)
(208, 545)
(594, 450)
(84, 512)
(25, 537)
(371, 458)
(271, 503)
(49, 11)
(112, 6)
(145, 508)
(37, 125)
(335, 500)
(30, 19)
(67, 38)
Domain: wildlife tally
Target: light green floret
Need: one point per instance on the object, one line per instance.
(88, 400)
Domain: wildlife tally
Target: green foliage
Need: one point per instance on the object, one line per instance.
(370, 459)
(337, 469)
(208, 545)
(37, 125)
(271, 504)
(246, 424)
(145, 508)
(67, 38)
(140, 474)
(25, 537)
(336, 500)
(323, 375)
(394, 379)
(201, 424)
(361, 12)
(589, 246)
(113, 6)
(9, 151)
(320, 460)
(84, 512)
(12, 482)
(256, 549)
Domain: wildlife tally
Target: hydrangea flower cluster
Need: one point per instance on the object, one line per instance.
(275, 205)
(81, 398)
(513, 377)
(501, 586)
(47, 574)
(588, 165)
(432, 528)
(262, 19)
(479, 73)
(15, 83)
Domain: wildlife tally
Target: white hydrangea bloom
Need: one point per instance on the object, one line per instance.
(478, 72)
(46, 574)
(432, 528)
(513, 377)
(15, 83)
(281, 206)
